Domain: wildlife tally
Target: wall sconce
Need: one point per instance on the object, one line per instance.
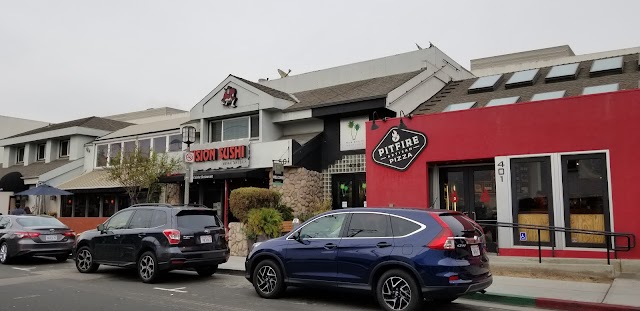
(402, 126)
(374, 126)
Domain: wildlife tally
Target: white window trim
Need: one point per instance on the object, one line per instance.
(505, 198)
(38, 158)
(137, 142)
(18, 154)
(68, 149)
(211, 122)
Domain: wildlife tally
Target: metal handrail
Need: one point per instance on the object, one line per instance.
(630, 237)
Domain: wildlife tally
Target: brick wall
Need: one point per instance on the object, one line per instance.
(81, 224)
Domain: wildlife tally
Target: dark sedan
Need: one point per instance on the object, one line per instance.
(31, 235)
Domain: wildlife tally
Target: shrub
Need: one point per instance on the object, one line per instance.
(263, 221)
(318, 207)
(242, 200)
(285, 211)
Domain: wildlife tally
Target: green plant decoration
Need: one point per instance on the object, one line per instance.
(265, 222)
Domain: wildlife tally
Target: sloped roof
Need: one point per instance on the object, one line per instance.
(273, 92)
(146, 128)
(90, 122)
(34, 169)
(456, 92)
(350, 92)
(98, 179)
(152, 112)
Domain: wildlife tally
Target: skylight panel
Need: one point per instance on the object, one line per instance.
(600, 89)
(520, 78)
(563, 72)
(606, 65)
(487, 83)
(548, 95)
(460, 106)
(503, 101)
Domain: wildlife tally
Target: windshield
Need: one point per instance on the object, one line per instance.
(36, 221)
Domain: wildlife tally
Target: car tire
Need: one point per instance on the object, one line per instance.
(207, 271)
(148, 269)
(5, 258)
(85, 261)
(397, 290)
(268, 279)
(62, 258)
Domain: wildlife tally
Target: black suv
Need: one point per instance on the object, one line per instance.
(155, 238)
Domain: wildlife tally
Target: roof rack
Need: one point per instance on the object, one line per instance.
(190, 205)
(151, 204)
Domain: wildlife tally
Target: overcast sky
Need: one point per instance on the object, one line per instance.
(63, 60)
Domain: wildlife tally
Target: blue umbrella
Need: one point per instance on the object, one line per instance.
(44, 190)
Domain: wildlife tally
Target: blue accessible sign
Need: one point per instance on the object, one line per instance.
(523, 236)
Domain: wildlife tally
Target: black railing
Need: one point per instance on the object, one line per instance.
(629, 237)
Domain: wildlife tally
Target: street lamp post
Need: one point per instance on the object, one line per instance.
(188, 137)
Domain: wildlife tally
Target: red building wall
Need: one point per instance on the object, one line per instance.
(81, 224)
(594, 122)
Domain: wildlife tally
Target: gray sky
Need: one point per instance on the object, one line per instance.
(63, 60)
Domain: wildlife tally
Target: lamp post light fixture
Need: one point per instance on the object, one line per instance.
(188, 137)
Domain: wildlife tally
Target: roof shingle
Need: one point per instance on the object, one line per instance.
(268, 90)
(90, 122)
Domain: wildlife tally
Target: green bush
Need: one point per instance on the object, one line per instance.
(263, 221)
(242, 200)
(318, 207)
(285, 211)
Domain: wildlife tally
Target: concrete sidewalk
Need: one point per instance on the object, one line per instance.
(622, 294)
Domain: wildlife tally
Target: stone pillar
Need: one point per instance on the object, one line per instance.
(300, 190)
(172, 193)
(238, 243)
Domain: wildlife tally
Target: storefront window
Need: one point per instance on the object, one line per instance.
(108, 205)
(67, 206)
(532, 198)
(93, 206)
(586, 196)
(80, 209)
(160, 144)
(175, 143)
(145, 147)
(345, 193)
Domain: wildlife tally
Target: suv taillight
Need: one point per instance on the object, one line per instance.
(444, 240)
(172, 235)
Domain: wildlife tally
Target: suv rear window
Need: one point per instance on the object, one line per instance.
(35, 221)
(197, 219)
(460, 225)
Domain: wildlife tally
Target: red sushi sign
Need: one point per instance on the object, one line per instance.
(222, 154)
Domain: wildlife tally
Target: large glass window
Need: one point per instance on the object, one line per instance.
(255, 126)
(238, 128)
(586, 197)
(93, 206)
(108, 205)
(175, 143)
(80, 208)
(215, 131)
(101, 155)
(129, 148)
(114, 153)
(145, 147)
(160, 144)
(366, 225)
(532, 198)
(66, 209)
(324, 227)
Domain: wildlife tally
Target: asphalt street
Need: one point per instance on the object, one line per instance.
(43, 284)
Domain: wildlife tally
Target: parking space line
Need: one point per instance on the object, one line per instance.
(176, 290)
(24, 269)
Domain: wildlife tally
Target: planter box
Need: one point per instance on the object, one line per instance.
(287, 226)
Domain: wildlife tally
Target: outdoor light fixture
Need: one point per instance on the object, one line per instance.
(374, 126)
(188, 135)
(402, 126)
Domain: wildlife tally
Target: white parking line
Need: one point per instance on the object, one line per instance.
(30, 296)
(175, 290)
(24, 269)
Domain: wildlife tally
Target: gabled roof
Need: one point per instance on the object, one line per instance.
(90, 122)
(350, 92)
(456, 92)
(34, 169)
(146, 128)
(273, 92)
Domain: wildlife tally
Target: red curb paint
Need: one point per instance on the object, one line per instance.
(568, 305)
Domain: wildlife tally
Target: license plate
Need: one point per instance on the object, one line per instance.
(50, 237)
(205, 239)
(475, 250)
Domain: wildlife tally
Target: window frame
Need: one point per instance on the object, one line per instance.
(342, 230)
(66, 150)
(222, 121)
(20, 159)
(44, 152)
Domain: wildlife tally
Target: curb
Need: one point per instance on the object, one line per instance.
(548, 303)
(231, 272)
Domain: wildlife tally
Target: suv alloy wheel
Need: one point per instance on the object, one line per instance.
(268, 279)
(397, 291)
(148, 268)
(84, 261)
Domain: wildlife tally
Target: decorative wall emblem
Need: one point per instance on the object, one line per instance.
(230, 97)
(399, 148)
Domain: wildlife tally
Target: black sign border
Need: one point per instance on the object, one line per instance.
(426, 142)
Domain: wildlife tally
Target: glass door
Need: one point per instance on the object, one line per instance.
(349, 190)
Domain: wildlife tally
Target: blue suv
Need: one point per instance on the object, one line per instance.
(402, 256)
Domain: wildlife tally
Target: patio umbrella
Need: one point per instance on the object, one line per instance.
(41, 191)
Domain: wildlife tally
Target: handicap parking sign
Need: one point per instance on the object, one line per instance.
(523, 236)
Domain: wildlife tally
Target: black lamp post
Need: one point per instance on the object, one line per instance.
(188, 137)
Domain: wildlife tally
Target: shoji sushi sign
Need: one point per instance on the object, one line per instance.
(223, 157)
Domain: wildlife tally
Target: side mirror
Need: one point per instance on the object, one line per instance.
(101, 227)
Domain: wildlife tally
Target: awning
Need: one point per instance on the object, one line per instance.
(251, 173)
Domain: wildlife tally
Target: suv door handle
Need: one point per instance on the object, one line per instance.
(330, 246)
(117, 236)
(383, 245)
